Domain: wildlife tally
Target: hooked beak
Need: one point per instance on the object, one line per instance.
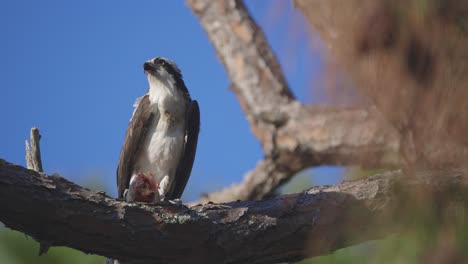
(149, 67)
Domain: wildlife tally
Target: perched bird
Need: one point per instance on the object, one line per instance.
(161, 140)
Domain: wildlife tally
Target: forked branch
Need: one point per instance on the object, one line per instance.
(293, 136)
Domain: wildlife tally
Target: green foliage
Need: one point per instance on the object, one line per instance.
(407, 249)
(300, 182)
(17, 248)
(357, 172)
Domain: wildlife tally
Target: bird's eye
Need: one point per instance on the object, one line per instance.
(162, 63)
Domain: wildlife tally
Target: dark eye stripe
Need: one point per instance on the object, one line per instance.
(159, 61)
(173, 72)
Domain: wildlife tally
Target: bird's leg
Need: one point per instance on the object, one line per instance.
(130, 194)
(176, 201)
(157, 196)
(163, 188)
(124, 196)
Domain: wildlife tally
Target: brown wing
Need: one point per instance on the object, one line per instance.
(190, 148)
(136, 132)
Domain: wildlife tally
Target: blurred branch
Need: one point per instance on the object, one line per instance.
(410, 63)
(277, 229)
(33, 151)
(293, 136)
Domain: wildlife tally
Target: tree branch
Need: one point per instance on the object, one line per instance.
(373, 42)
(278, 229)
(293, 136)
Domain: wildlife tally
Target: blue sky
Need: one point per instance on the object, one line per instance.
(74, 69)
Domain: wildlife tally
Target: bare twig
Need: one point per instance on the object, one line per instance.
(33, 151)
(293, 136)
(34, 162)
(278, 229)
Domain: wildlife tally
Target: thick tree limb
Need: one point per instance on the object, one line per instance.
(281, 228)
(347, 136)
(293, 136)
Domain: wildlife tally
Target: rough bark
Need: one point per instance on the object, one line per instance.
(293, 136)
(34, 162)
(33, 151)
(278, 229)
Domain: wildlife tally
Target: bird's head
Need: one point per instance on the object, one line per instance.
(161, 70)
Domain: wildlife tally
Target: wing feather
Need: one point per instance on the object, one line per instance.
(190, 147)
(136, 132)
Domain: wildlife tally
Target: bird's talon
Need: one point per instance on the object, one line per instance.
(165, 201)
(176, 201)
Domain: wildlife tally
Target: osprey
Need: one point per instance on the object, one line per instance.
(161, 140)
